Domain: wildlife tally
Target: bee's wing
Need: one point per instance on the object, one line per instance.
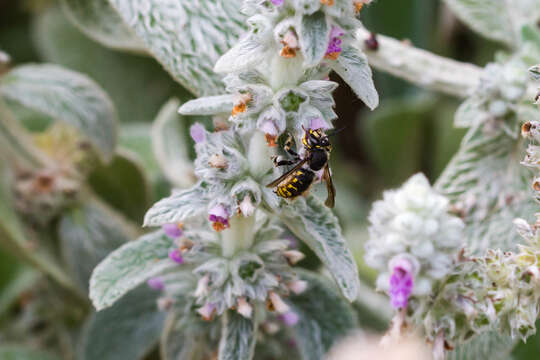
(327, 177)
(284, 176)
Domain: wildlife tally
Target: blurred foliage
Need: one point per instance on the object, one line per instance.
(411, 131)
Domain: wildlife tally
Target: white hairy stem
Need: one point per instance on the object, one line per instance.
(421, 67)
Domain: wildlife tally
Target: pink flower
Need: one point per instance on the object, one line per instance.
(289, 318)
(277, 2)
(219, 217)
(156, 283)
(176, 256)
(334, 46)
(173, 230)
(207, 311)
(401, 283)
(198, 133)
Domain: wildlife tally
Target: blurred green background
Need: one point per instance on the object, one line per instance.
(411, 131)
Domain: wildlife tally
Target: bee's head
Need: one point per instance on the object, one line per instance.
(316, 139)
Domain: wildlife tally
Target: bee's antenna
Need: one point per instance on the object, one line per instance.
(334, 132)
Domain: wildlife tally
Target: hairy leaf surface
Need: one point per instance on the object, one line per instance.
(128, 267)
(318, 227)
(67, 96)
(186, 37)
(238, 337)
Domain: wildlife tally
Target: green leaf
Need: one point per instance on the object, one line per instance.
(128, 267)
(137, 85)
(528, 350)
(185, 338)
(169, 142)
(314, 32)
(352, 66)
(123, 184)
(496, 19)
(486, 177)
(99, 21)
(68, 96)
(178, 207)
(315, 224)
(490, 345)
(18, 352)
(325, 317)
(238, 337)
(23, 280)
(87, 235)
(186, 37)
(127, 331)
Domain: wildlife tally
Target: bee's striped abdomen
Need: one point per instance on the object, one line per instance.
(296, 184)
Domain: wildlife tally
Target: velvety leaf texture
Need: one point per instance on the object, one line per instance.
(99, 21)
(68, 96)
(238, 337)
(128, 267)
(318, 227)
(325, 317)
(487, 172)
(314, 34)
(14, 352)
(126, 331)
(87, 235)
(352, 66)
(186, 37)
(180, 206)
(490, 345)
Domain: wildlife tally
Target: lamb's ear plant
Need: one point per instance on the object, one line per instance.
(222, 259)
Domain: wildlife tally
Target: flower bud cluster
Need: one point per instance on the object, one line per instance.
(413, 240)
(214, 282)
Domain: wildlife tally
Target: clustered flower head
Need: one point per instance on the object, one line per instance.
(413, 240)
(215, 282)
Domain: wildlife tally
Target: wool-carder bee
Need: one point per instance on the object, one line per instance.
(299, 179)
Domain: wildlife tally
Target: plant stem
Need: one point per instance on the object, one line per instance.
(421, 67)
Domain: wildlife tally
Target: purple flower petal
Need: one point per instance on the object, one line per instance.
(198, 133)
(289, 318)
(401, 284)
(318, 123)
(277, 2)
(156, 283)
(172, 230)
(176, 256)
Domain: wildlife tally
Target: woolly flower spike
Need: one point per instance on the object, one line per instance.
(219, 217)
(401, 282)
(334, 47)
(173, 230)
(198, 133)
(176, 256)
(413, 240)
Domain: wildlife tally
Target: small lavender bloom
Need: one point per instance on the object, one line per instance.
(198, 133)
(219, 217)
(334, 46)
(289, 318)
(277, 2)
(401, 283)
(156, 283)
(176, 256)
(173, 230)
(318, 123)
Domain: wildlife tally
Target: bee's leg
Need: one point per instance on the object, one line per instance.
(282, 162)
(288, 148)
